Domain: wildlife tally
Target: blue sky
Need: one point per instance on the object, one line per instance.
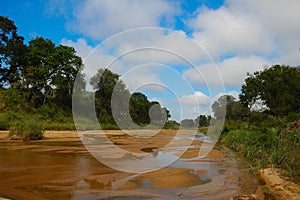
(221, 40)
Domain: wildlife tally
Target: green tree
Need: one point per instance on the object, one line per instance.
(203, 120)
(142, 110)
(39, 71)
(234, 109)
(104, 83)
(278, 87)
(50, 73)
(12, 51)
(159, 115)
(68, 66)
(219, 107)
(139, 108)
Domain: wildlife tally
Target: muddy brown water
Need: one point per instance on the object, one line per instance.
(63, 169)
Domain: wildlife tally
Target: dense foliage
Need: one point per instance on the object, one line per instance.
(278, 87)
(35, 76)
(128, 106)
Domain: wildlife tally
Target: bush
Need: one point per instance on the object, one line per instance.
(171, 125)
(8, 118)
(268, 146)
(264, 120)
(230, 125)
(26, 130)
(292, 117)
(4, 121)
(108, 126)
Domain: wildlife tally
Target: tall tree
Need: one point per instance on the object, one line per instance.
(139, 108)
(68, 68)
(12, 52)
(278, 87)
(219, 107)
(228, 105)
(50, 73)
(142, 111)
(104, 82)
(40, 70)
(203, 120)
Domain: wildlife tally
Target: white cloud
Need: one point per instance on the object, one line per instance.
(196, 111)
(233, 71)
(81, 47)
(225, 31)
(101, 19)
(252, 27)
(161, 101)
(140, 46)
(144, 47)
(143, 78)
(198, 98)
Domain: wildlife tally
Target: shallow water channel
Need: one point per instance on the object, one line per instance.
(61, 168)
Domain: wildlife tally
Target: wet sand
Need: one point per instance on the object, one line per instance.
(60, 167)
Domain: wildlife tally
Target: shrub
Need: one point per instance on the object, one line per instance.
(26, 130)
(264, 120)
(230, 125)
(171, 125)
(8, 118)
(109, 126)
(4, 121)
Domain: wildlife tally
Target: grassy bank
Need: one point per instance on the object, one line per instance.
(59, 121)
(9, 119)
(277, 146)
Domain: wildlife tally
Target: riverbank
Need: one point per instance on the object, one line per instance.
(269, 146)
(280, 185)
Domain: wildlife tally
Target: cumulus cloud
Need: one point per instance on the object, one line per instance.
(143, 48)
(101, 19)
(251, 27)
(198, 98)
(224, 31)
(233, 71)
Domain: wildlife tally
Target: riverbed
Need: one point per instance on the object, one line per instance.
(60, 167)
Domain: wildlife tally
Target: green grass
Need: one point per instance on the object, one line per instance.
(203, 129)
(268, 146)
(26, 130)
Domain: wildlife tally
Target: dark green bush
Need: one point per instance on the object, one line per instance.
(8, 118)
(230, 125)
(4, 121)
(26, 130)
(260, 119)
(109, 127)
(171, 125)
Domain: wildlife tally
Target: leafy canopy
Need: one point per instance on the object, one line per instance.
(278, 87)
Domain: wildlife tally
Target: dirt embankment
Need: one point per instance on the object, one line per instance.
(275, 184)
(285, 189)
